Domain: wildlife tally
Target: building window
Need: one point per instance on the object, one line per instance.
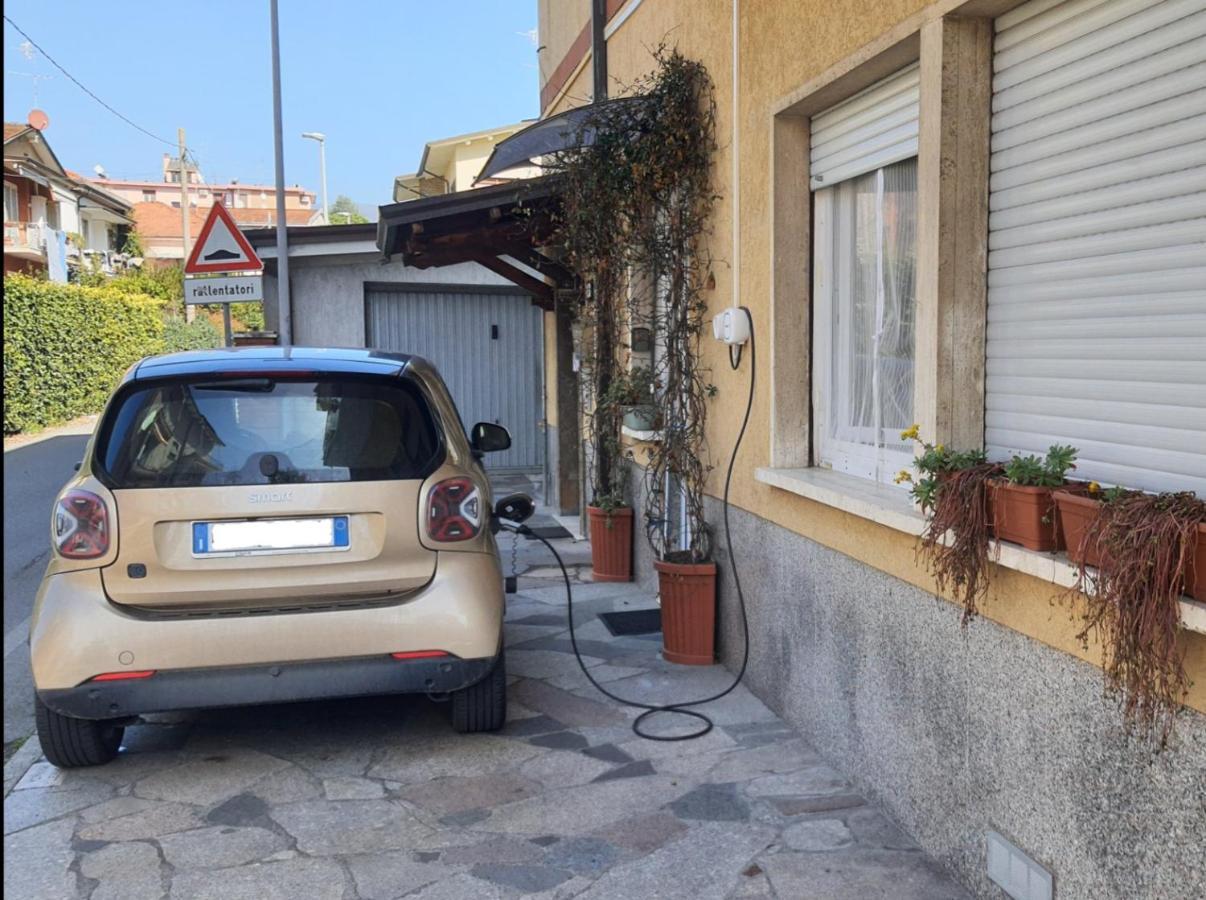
(148, 196)
(12, 203)
(866, 247)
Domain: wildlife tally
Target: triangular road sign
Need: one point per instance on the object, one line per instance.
(221, 247)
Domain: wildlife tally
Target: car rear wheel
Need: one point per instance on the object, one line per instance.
(482, 706)
(70, 743)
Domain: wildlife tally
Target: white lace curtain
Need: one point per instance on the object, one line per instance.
(867, 236)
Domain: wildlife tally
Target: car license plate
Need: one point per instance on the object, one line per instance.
(255, 536)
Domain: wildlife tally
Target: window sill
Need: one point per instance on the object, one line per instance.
(643, 437)
(893, 508)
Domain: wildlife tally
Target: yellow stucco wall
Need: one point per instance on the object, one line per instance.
(783, 45)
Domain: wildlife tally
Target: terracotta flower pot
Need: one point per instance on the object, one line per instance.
(611, 543)
(1024, 515)
(688, 594)
(1076, 513)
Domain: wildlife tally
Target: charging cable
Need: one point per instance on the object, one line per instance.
(678, 709)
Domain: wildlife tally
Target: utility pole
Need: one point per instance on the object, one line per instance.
(189, 312)
(282, 236)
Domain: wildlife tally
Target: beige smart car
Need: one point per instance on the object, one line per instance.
(265, 525)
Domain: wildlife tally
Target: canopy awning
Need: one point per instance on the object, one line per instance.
(565, 131)
(496, 227)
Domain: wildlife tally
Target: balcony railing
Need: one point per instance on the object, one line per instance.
(25, 239)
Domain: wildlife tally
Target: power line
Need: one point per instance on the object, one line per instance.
(80, 85)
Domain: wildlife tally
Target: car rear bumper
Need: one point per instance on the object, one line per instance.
(77, 633)
(249, 685)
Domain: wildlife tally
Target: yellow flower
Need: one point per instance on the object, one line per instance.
(912, 433)
(1094, 487)
(941, 448)
(903, 475)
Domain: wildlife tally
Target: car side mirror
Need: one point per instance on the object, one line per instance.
(515, 508)
(487, 437)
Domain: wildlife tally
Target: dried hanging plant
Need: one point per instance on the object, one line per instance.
(952, 490)
(1146, 544)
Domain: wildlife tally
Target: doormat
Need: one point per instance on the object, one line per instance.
(550, 532)
(636, 621)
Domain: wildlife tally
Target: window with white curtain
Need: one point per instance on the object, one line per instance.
(866, 239)
(11, 203)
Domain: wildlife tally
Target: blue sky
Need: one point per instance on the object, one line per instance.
(378, 78)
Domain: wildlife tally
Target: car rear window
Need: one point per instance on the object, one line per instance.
(264, 430)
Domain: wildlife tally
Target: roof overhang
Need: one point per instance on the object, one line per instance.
(565, 131)
(500, 227)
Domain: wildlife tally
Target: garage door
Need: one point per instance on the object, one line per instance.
(488, 346)
(1097, 247)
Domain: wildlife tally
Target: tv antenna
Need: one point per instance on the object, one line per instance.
(35, 77)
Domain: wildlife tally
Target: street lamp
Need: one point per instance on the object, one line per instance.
(322, 163)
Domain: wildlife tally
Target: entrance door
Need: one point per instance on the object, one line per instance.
(487, 344)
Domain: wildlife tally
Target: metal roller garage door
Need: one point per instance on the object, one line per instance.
(1097, 246)
(487, 343)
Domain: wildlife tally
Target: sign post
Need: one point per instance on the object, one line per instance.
(223, 268)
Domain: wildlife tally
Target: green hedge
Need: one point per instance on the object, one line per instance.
(66, 346)
(199, 334)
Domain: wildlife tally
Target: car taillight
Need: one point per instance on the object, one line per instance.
(81, 526)
(454, 510)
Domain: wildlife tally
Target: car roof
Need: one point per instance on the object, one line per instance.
(278, 360)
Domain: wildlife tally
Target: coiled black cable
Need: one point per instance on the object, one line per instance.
(679, 709)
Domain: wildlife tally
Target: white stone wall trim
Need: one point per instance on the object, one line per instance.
(893, 508)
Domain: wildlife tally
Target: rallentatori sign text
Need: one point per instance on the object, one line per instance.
(224, 289)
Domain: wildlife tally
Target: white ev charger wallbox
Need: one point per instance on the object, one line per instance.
(732, 326)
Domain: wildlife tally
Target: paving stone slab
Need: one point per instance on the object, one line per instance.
(351, 787)
(522, 877)
(559, 770)
(384, 876)
(313, 879)
(494, 850)
(560, 740)
(859, 875)
(644, 833)
(429, 756)
(583, 855)
(815, 835)
(287, 785)
(220, 846)
(809, 781)
(582, 809)
(44, 855)
(23, 809)
(531, 662)
(712, 802)
(774, 759)
(125, 872)
(324, 827)
(146, 824)
(565, 706)
(209, 779)
(443, 796)
(702, 864)
(796, 806)
(461, 887)
(637, 769)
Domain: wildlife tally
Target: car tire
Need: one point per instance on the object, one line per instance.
(71, 743)
(482, 706)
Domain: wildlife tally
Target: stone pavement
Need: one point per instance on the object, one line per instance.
(379, 798)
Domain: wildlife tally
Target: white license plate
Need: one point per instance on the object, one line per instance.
(270, 536)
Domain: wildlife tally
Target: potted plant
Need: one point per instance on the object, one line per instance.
(1147, 546)
(1023, 511)
(632, 392)
(1077, 506)
(951, 489)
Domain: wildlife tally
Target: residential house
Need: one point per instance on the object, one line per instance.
(250, 204)
(1029, 181)
(453, 164)
(54, 219)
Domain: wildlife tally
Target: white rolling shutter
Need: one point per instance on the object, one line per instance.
(874, 128)
(1097, 239)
